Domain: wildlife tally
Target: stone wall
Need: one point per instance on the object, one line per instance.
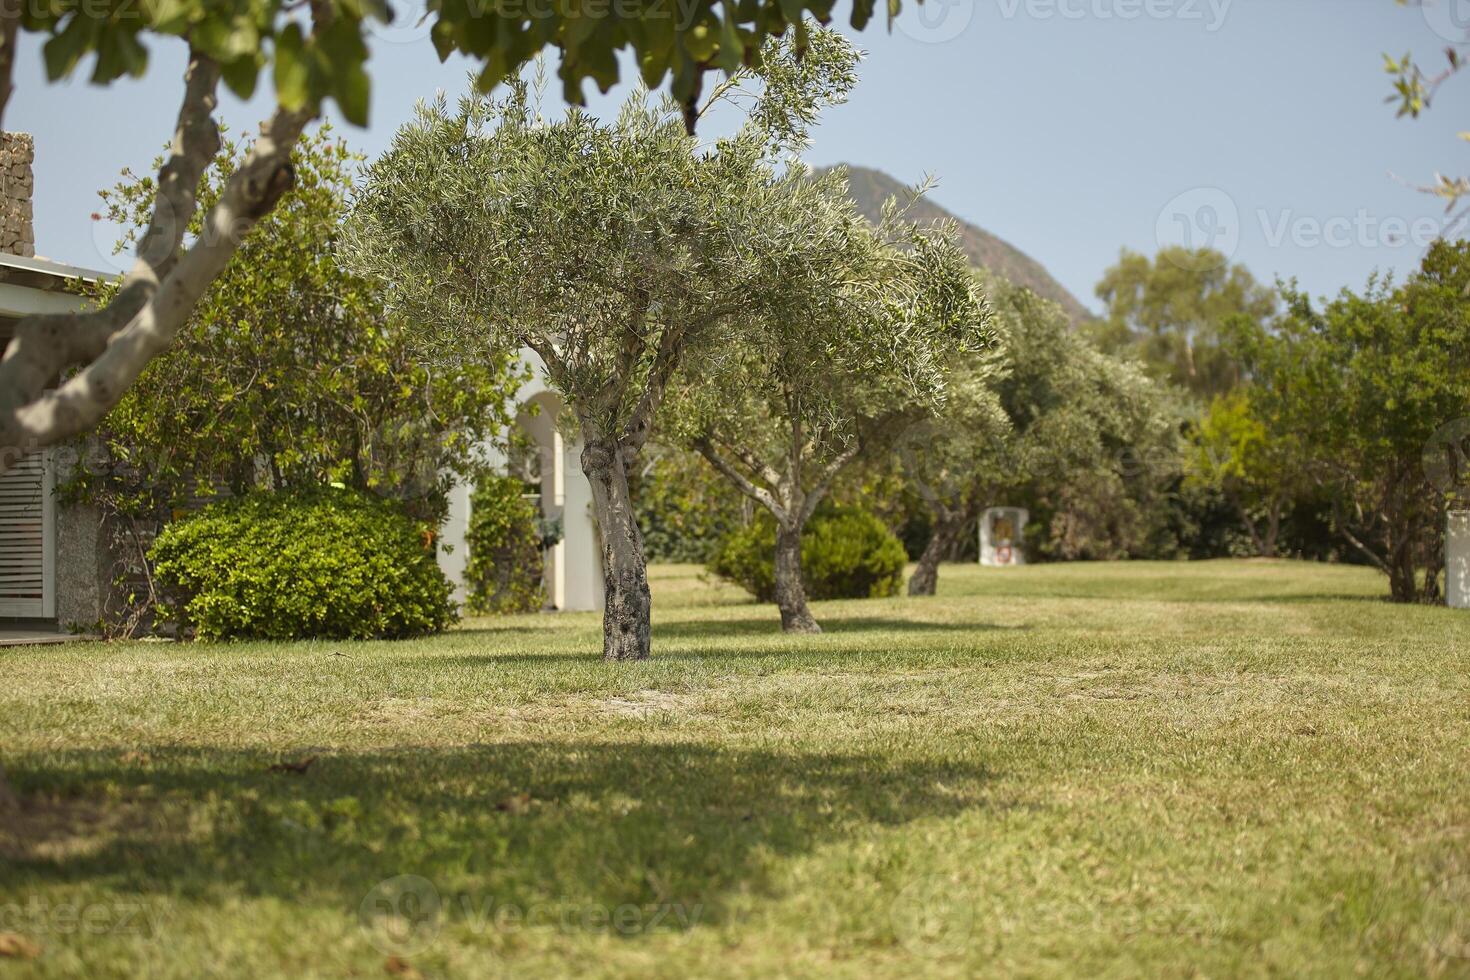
(17, 183)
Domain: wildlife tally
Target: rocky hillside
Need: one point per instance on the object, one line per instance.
(870, 188)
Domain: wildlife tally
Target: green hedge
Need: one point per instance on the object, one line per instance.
(335, 564)
(505, 567)
(846, 553)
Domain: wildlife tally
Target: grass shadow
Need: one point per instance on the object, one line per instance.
(606, 824)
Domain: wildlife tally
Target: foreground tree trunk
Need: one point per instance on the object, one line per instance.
(627, 605)
(947, 530)
(796, 617)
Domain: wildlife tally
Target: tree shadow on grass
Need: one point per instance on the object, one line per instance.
(700, 629)
(604, 824)
(674, 639)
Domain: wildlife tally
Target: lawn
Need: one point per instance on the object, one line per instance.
(1222, 768)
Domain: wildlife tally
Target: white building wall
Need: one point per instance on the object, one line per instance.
(1457, 559)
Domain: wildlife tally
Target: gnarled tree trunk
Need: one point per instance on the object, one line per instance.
(796, 617)
(947, 529)
(626, 626)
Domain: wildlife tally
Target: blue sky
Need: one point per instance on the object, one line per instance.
(1071, 128)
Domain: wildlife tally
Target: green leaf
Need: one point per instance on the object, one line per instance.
(240, 76)
(292, 75)
(353, 92)
(64, 50)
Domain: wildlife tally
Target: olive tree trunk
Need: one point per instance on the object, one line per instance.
(947, 530)
(626, 627)
(796, 617)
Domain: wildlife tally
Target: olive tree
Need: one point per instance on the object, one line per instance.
(610, 250)
(809, 386)
(61, 373)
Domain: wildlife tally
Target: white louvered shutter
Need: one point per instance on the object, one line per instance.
(26, 540)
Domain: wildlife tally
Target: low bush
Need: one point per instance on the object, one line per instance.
(334, 564)
(505, 568)
(846, 553)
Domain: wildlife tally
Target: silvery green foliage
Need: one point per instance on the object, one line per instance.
(862, 353)
(608, 248)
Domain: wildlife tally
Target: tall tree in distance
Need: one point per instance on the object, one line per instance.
(1169, 312)
(1051, 413)
(288, 374)
(852, 350)
(1255, 464)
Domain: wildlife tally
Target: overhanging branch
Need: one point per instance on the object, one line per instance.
(113, 345)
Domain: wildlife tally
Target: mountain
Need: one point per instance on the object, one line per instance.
(870, 188)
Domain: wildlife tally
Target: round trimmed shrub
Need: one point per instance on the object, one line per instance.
(505, 569)
(330, 564)
(846, 553)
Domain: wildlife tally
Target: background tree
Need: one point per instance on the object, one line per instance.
(288, 374)
(1052, 419)
(1169, 312)
(62, 373)
(609, 250)
(1255, 466)
(1362, 386)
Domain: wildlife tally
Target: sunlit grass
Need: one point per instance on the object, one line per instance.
(1216, 768)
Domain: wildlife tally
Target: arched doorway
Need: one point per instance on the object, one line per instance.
(574, 565)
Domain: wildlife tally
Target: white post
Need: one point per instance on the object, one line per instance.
(553, 505)
(581, 548)
(453, 547)
(1457, 559)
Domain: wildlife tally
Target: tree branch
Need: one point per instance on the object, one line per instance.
(160, 291)
(829, 475)
(706, 448)
(1370, 554)
(665, 362)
